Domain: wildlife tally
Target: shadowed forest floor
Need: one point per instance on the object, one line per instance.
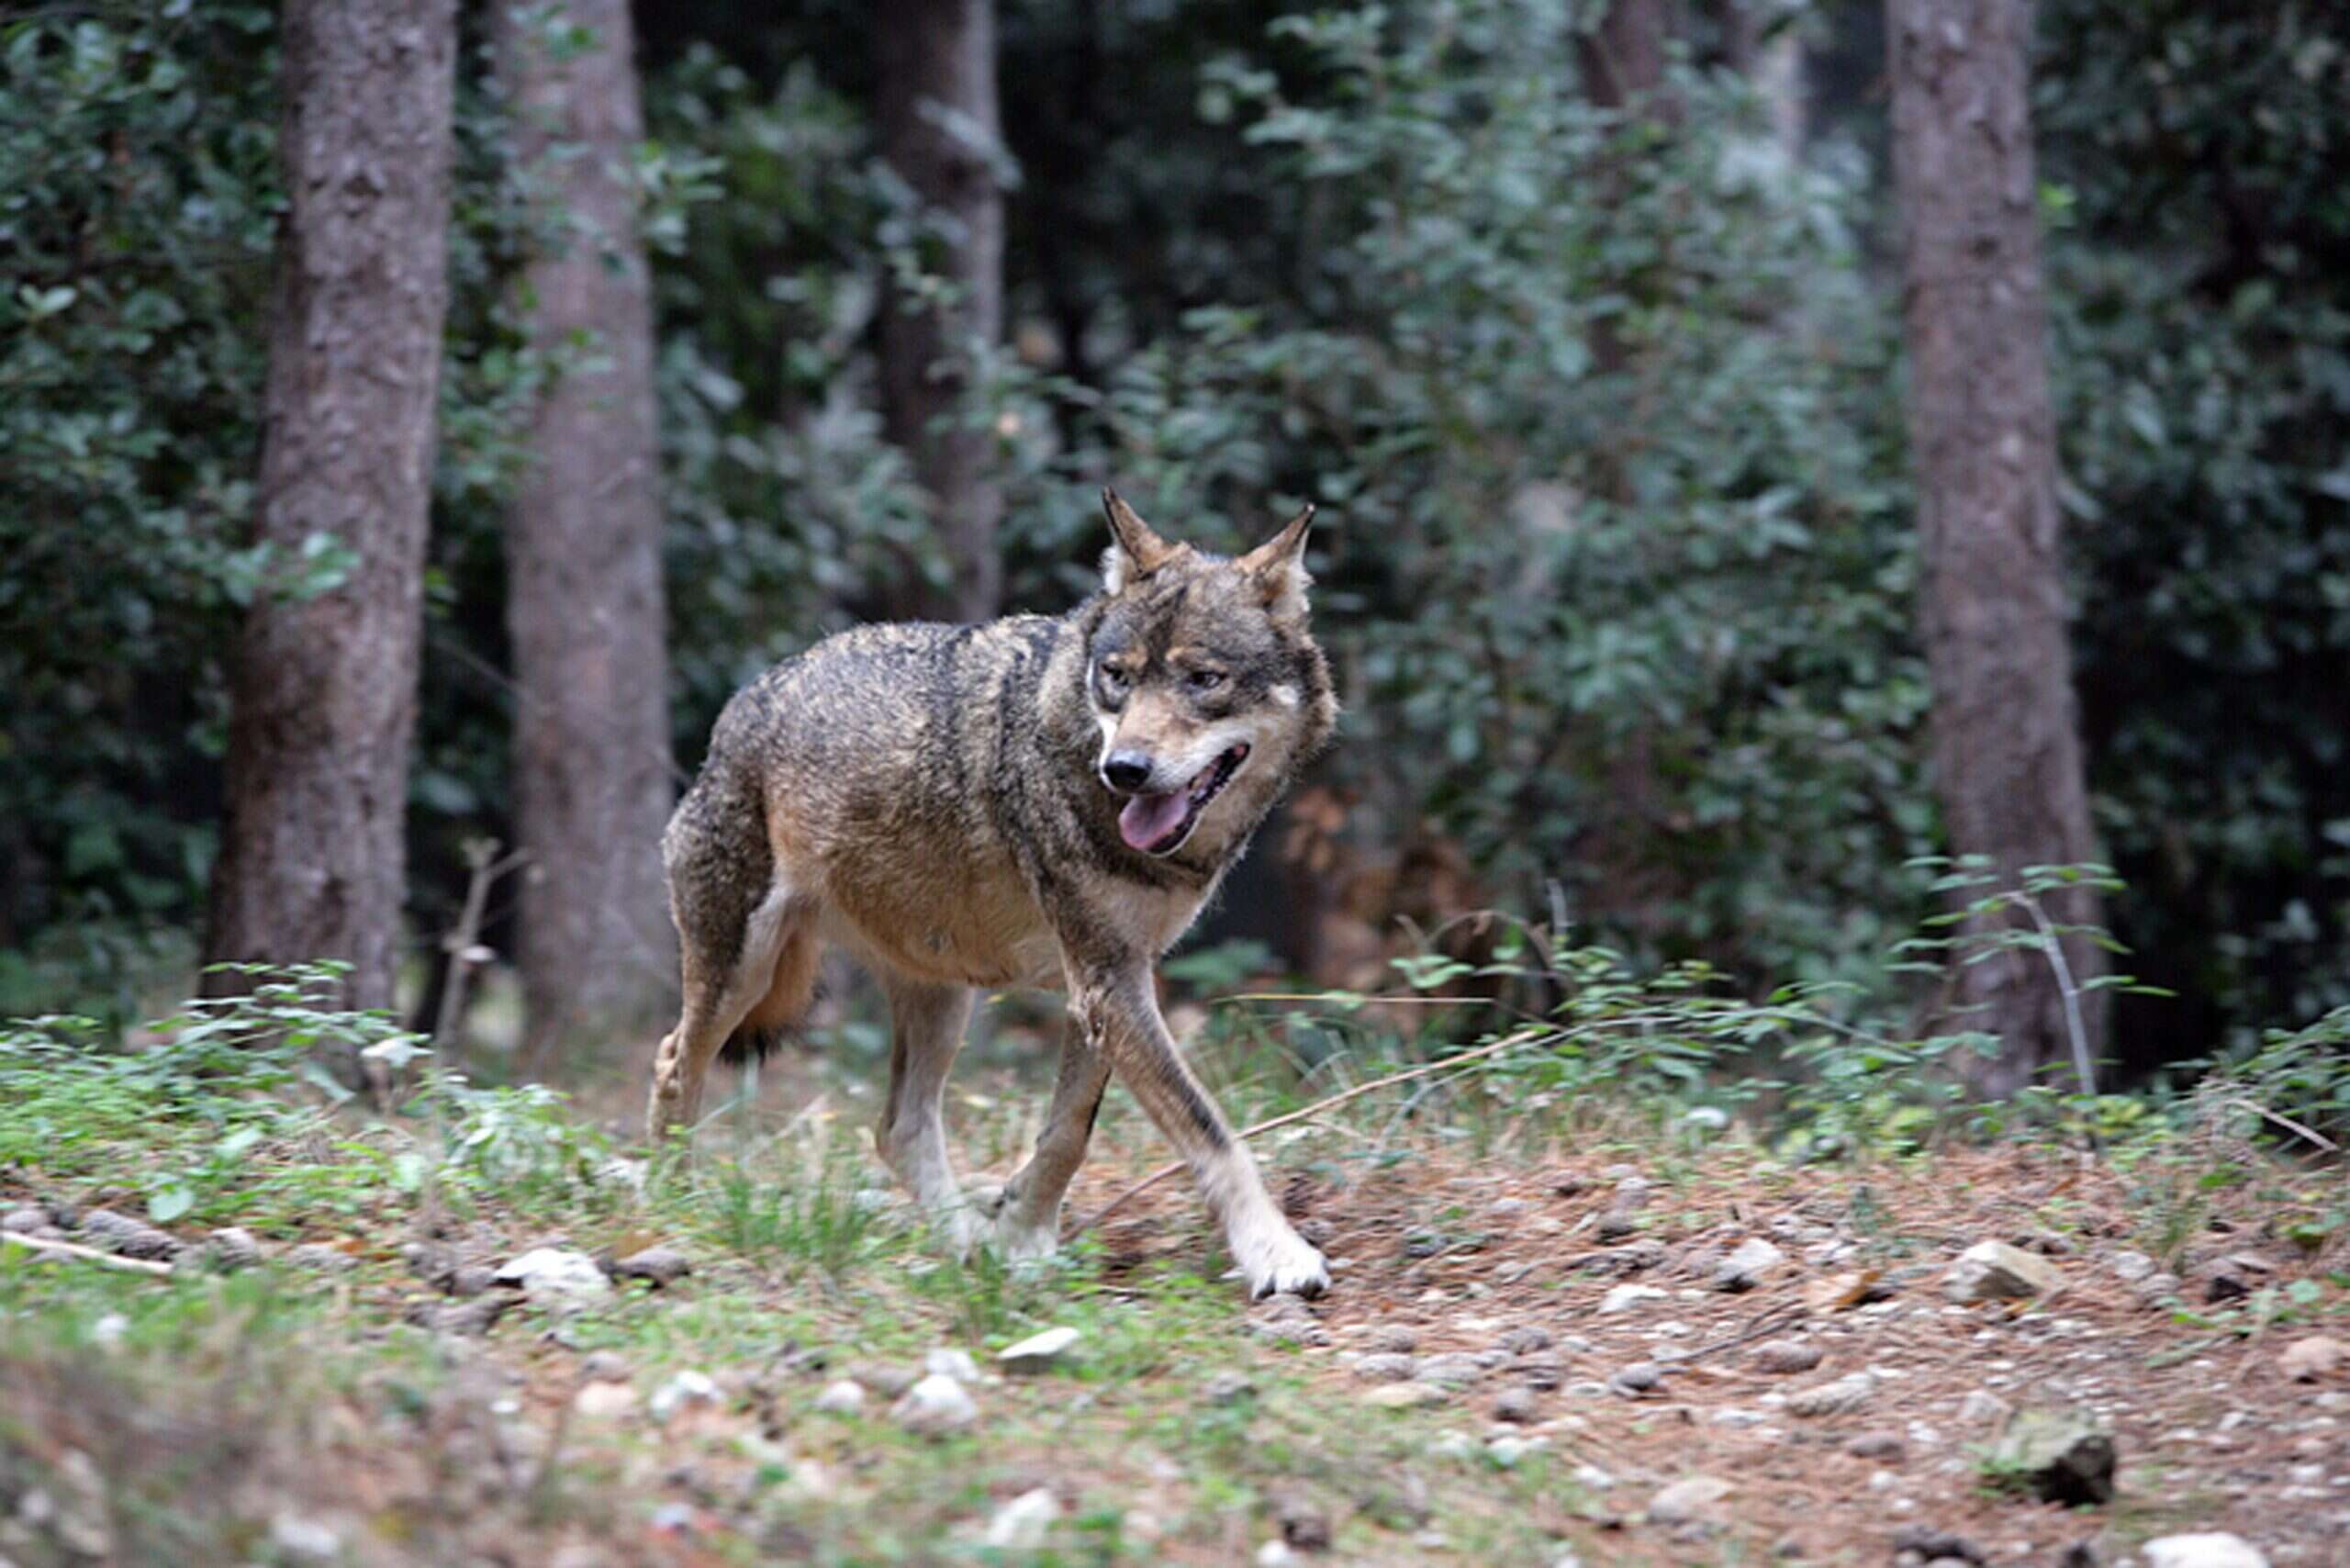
(1527, 1346)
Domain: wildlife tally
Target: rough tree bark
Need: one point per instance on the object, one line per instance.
(592, 768)
(941, 133)
(312, 855)
(2005, 743)
(1624, 55)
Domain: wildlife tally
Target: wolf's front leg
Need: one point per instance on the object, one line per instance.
(1118, 1013)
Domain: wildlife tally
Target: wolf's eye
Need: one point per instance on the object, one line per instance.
(1204, 679)
(1113, 681)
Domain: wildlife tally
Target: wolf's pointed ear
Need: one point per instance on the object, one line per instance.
(1137, 553)
(1278, 567)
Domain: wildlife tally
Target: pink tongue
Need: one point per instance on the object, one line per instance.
(1147, 818)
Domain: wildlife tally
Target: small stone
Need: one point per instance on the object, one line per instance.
(842, 1396)
(1539, 1376)
(1993, 1270)
(2057, 1456)
(1925, 1543)
(470, 1318)
(1039, 1352)
(1623, 1298)
(1387, 1367)
(1454, 1370)
(1569, 1183)
(1021, 1524)
(304, 1539)
(553, 1276)
(1394, 1339)
(1637, 1379)
(1514, 1405)
(1616, 1223)
(950, 1362)
(1884, 1446)
(661, 1265)
(2130, 1267)
(1403, 1395)
(1981, 1407)
(232, 1248)
(26, 1220)
(604, 1400)
(2311, 1359)
(683, 1391)
(1688, 1501)
(1228, 1388)
(1591, 1477)
(1749, 1262)
(469, 1280)
(1785, 1356)
(2208, 1550)
(1275, 1554)
(1526, 1339)
(2235, 1276)
(325, 1256)
(604, 1366)
(130, 1238)
(936, 1405)
(1305, 1527)
(1846, 1394)
(889, 1382)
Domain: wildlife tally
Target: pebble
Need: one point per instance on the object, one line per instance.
(304, 1539)
(24, 1220)
(2062, 1456)
(1994, 1270)
(1846, 1394)
(1623, 1298)
(661, 1265)
(1387, 1366)
(1021, 1524)
(230, 1248)
(886, 1381)
(1394, 1339)
(1228, 1388)
(954, 1363)
(936, 1405)
(1539, 1376)
(1785, 1356)
(551, 1275)
(1636, 1379)
(1454, 1370)
(1403, 1395)
(681, 1391)
(1039, 1352)
(2131, 1266)
(1981, 1407)
(1514, 1405)
(2210, 1550)
(2312, 1358)
(842, 1396)
(1526, 1341)
(1687, 1500)
(1304, 1527)
(604, 1399)
(1746, 1265)
(1884, 1446)
(130, 1238)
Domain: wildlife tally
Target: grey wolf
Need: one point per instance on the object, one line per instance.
(1041, 801)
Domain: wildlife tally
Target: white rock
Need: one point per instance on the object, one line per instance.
(1712, 1118)
(1747, 1263)
(304, 1539)
(604, 1399)
(1623, 1298)
(1021, 1524)
(957, 1364)
(1993, 1270)
(1981, 1407)
(1594, 1477)
(937, 1404)
(842, 1396)
(1037, 1352)
(688, 1388)
(2215, 1549)
(1275, 1554)
(1686, 1500)
(555, 1277)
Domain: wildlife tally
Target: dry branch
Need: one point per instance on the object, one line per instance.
(86, 1254)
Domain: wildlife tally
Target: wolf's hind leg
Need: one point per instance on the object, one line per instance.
(725, 984)
(1030, 1221)
(926, 1025)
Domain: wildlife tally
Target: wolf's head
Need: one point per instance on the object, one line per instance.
(1207, 688)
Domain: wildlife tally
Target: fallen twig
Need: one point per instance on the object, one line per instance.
(2287, 1123)
(87, 1254)
(1491, 1048)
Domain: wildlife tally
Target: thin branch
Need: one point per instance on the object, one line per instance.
(2287, 1123)
(87, 1254)
(1491, 1048)
(2074, 1025)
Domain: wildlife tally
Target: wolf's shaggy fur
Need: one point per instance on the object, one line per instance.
(938, 799)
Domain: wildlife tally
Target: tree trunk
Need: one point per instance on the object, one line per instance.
(584, 605)
(1624, 56)
(2005, 743)
(941, 134)
(324, 686)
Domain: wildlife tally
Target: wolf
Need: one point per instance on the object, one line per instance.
(1037, 801)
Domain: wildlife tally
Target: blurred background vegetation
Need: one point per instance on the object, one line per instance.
(1603, 409)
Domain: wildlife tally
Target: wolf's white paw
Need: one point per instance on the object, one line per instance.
(1274, 1261)
(1022, 1238)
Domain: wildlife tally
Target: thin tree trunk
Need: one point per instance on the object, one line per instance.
(941, 133)
(583, 600)
(324, 688)
(2006, 741)
(1624, 56)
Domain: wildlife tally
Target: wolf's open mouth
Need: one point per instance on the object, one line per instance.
(1158, 824)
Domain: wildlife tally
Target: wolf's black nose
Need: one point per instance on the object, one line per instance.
(1127, 770)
